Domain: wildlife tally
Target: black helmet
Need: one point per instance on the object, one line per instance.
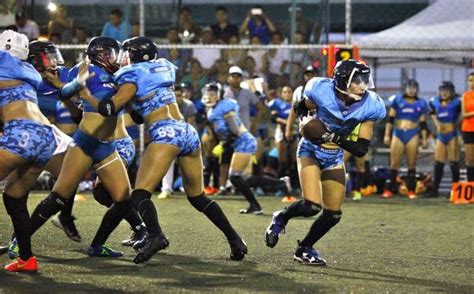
(101, 49)
(412, 84)
(350, 71)
(447, 85)
(40, 54)
(140, 49)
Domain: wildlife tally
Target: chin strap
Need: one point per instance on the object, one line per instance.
(351, 95)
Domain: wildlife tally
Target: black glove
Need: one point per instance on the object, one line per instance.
(136, 117)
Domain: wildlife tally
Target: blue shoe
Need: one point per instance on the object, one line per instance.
(103, 251)
(276, 228)
(13, 249)
(308, 255)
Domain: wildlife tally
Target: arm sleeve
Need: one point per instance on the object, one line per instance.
(358, 148)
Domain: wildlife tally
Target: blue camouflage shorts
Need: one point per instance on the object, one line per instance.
(28, 139)
(126, 149)
(326, 158)
(177, 133)
(245, 143)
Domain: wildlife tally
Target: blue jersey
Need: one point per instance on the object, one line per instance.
(101, 85)
(408, 110)
(62, 114)
(448, 113)
(48, 95)
(340, 118)
(216, 115)
(154, 81)
(12, 68)
(281, 106)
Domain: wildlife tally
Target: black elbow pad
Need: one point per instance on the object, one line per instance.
(77, 119)
(107, 108)
(136, 117)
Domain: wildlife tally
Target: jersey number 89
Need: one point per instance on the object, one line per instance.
(166, 132)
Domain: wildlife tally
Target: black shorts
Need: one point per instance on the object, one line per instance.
(468, 137)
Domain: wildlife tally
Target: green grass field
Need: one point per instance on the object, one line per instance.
(379, 246)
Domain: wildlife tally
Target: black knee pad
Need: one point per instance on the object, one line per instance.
(331, 217)
(310, 208)
(236, 180)
(101, 195)
(138, 196)
(124, 206)
(200, 202)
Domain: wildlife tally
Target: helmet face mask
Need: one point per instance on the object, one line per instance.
(353, 78)
(211, 94)
(44, 56)
(103, 51)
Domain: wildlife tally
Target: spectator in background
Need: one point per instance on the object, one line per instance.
(310, 31)
(250, 68)
(116, 27)
(258, 24)
(196, 76)
(61, 24)
(207, 56)
(222, 69)
(188, 30)
(81, 36)
(257, 55)
(136, 30)
(467, 126)
(223, 29)
(234, 56)
(179, 57)
(26, 26)
(276, 63)
(245, 99)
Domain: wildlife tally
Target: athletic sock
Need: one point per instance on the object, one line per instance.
(133, 218)
(141, 200)
(321, 226)
(18, 211)
(470, 173)
(392, 182)
(301, 207)
(438, 175)
(454, 165)
(240, 184)
(215, 214)
(359, 180)
(45, 209)
(111, 220)
(66, 211)
(411, 180)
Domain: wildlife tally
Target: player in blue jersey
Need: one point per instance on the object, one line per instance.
(94, 146)
(148, 83)
(407, 115)
(280, 110)
(445, 111)
(341, 104)
(47, 60)
(227, 128)
(29, 141)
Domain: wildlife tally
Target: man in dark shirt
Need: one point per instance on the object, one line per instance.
(223, 29)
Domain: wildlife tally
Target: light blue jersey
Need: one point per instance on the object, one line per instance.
(154, 81)
(216, 116)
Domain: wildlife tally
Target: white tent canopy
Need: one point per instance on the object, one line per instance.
(444, 30)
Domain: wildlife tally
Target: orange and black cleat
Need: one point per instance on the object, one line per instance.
(387, 194)
(18, 265)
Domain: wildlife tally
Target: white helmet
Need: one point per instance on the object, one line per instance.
(15, 43)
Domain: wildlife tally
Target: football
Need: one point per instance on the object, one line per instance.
(313, 128)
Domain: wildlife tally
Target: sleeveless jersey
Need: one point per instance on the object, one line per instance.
(448, 113)
(409, 111)
(154, 81)
(216, 115)
(339, 118)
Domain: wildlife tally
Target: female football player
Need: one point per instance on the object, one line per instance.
(340, 104)
(147, 82)
(445, 110)
(467, 126)
(227, 127)
(29, 141)
(94, 146)
(406, 116)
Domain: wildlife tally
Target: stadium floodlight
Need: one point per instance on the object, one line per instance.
(53, 7)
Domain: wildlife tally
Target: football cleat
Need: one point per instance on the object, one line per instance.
(411, 195)
(164, 195)
(19, 265)
(356, 196)
(135, 237)
(288, 199)
(152, 246)
(274, 230)
(13, 249)
(210, 190)
(67, 225)
(308, 255)
(387, 194)
(103, 251)
(238, 249)
(252, 209)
